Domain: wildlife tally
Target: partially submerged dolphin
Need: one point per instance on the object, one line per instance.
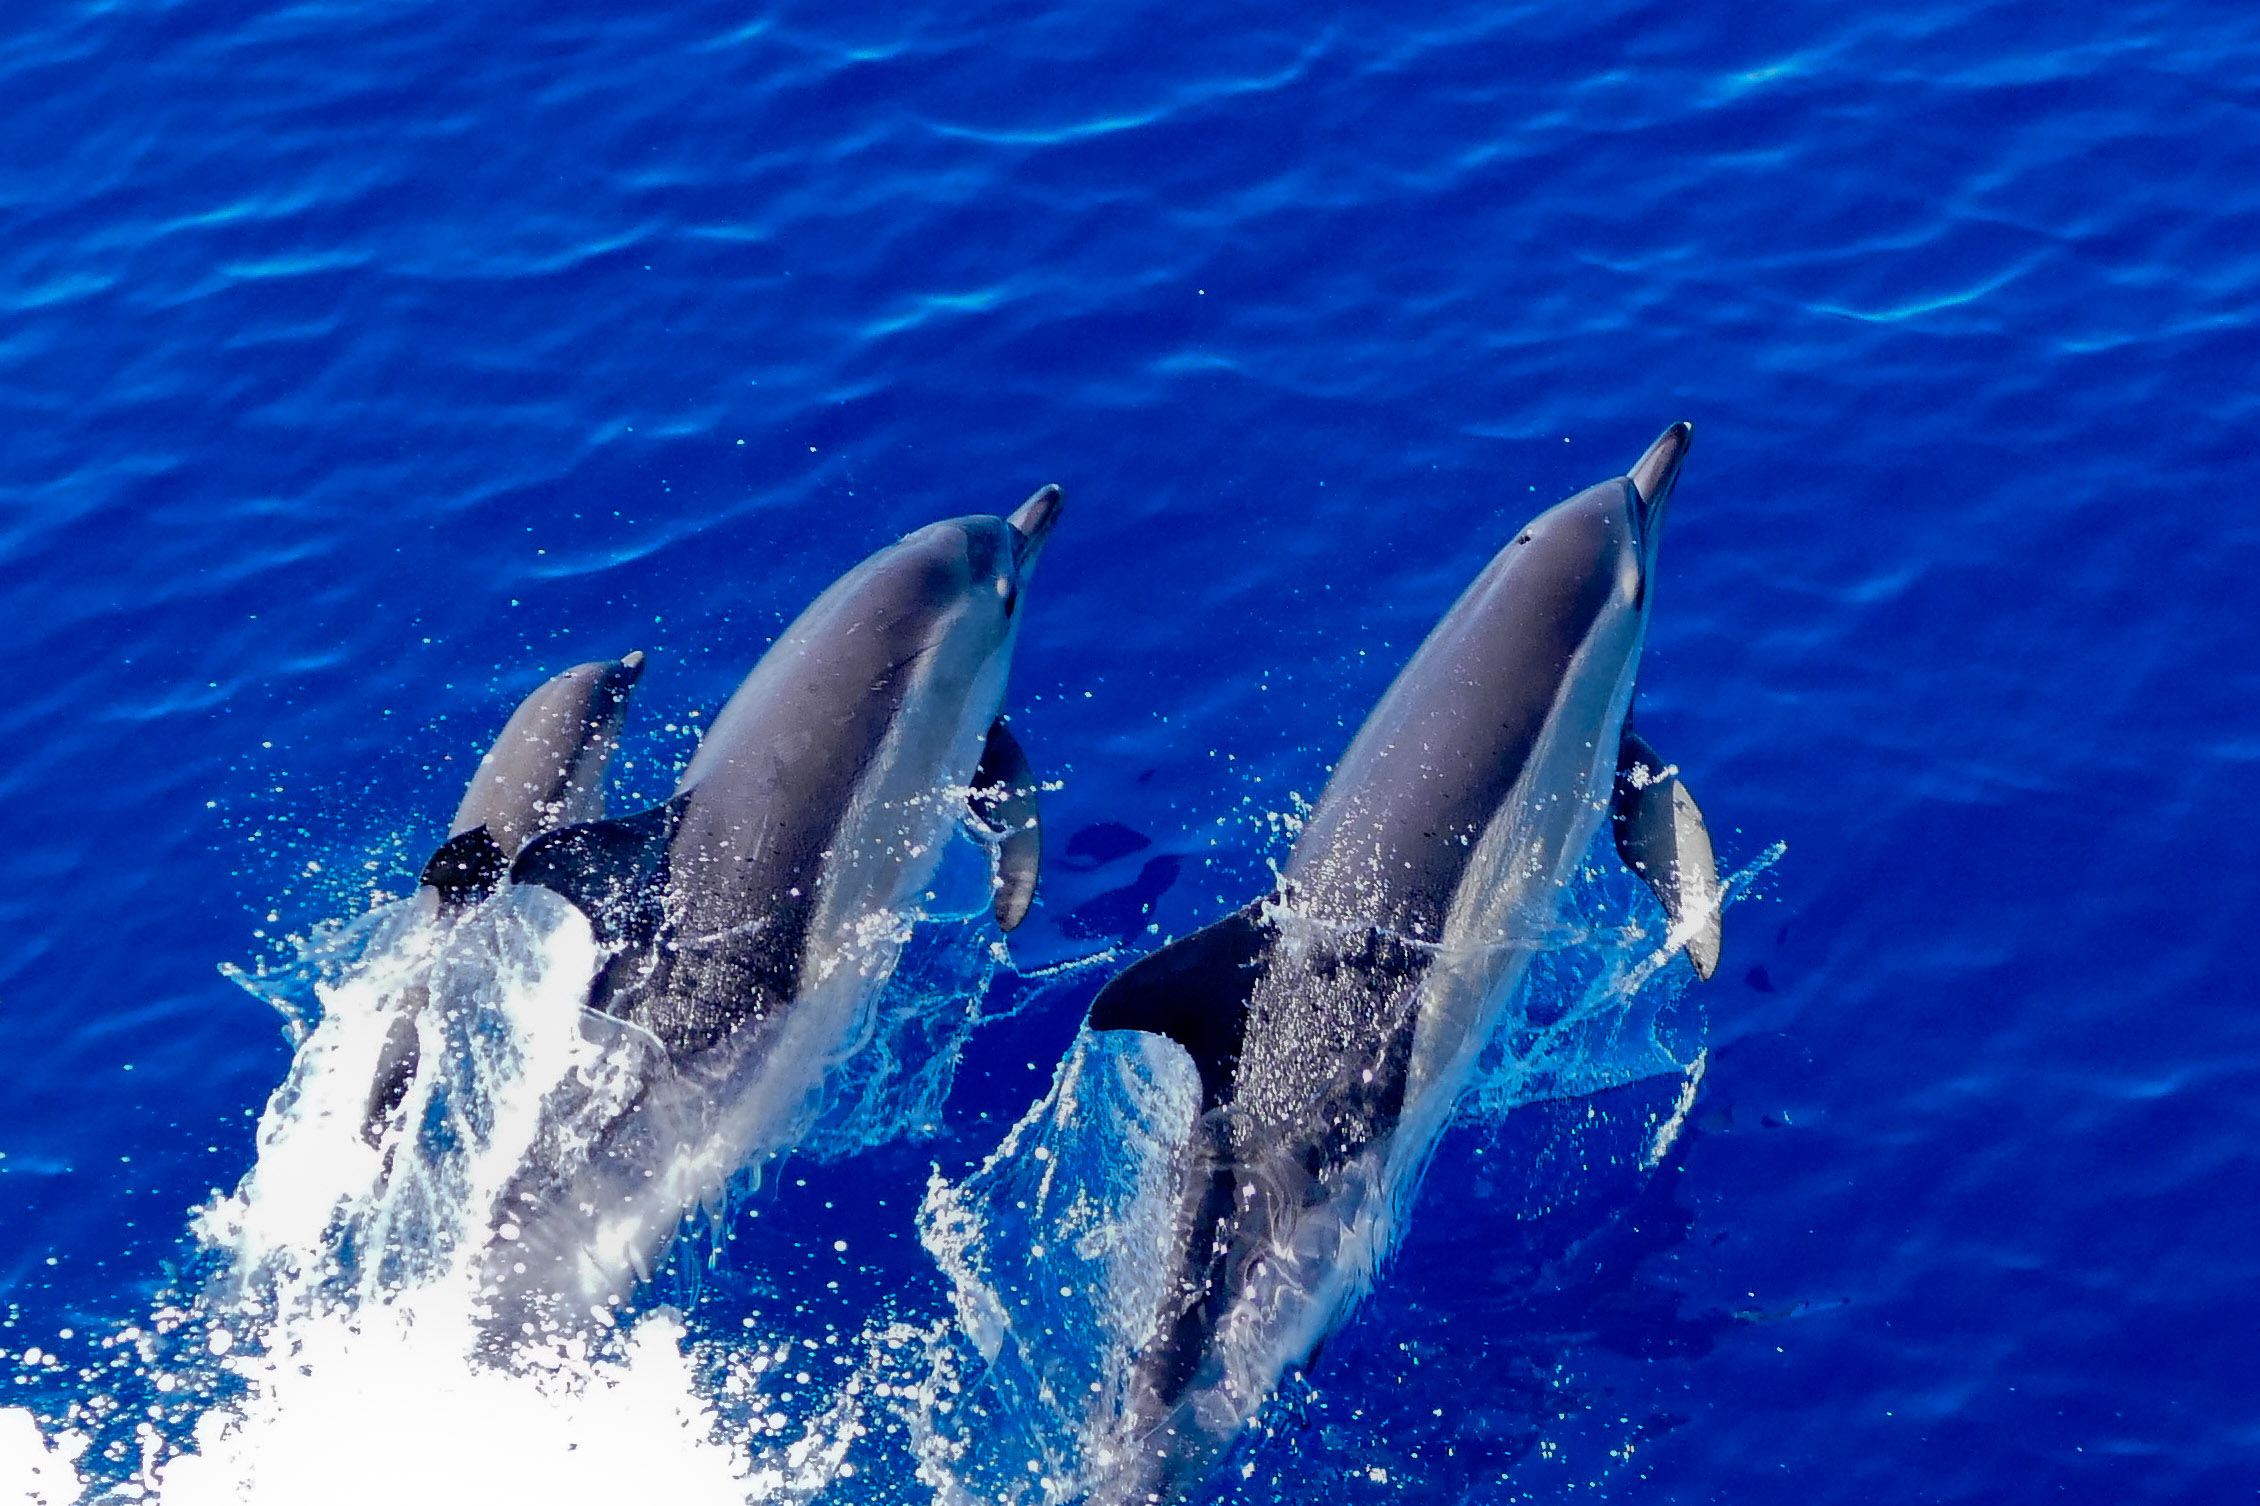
(748, 921)
(1335, 1022)
(544, 769)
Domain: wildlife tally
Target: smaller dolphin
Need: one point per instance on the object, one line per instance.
(546, 768)
(1335, 1022)
(751, 919)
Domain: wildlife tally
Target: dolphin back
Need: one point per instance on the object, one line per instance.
(1390, 839)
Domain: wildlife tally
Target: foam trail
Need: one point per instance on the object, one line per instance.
(33, 1471)
(344, 1320)
(337, 1344)
(386, 1409)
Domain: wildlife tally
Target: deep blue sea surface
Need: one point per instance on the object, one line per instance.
(362, 362)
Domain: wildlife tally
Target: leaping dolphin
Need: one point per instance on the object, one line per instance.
(749, 920)
(544, 769)
(1335, 1021)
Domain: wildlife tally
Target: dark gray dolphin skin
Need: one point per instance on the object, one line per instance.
(746, 924)
(546, 768)
(1335, 1022)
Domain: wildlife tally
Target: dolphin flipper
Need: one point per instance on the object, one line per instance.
(611, 871)
(1004, 801)
(1661, 837)
(396, 1070)
(1195, 992)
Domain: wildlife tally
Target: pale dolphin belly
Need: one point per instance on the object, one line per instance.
(1508, 903)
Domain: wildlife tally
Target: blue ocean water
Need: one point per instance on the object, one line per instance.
(363, 362)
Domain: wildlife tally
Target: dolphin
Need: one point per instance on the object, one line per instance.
(747, 923)
(1335, 1021)
(544, 769)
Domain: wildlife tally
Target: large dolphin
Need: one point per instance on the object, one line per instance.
(748, 921)
(544, 770)
(1335, 1022)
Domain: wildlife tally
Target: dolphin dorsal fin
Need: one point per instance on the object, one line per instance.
(1661, 837)
(466, 867)
(611, 871)
(1194, 991)
(1004, 801)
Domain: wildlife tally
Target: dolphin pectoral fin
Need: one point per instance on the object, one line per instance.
(466, 867)
(395, 1075)
(1194, 991)
(1661, 837)
(611, 871)
(1004, 801)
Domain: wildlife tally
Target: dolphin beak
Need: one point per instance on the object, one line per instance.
(1654, 473)
(1032, 524)
(629, 669)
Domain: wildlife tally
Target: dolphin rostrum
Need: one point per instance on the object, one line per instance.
(1335, 1022)
(747, 922)
(546, 768)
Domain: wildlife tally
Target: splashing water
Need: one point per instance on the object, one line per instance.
(1056, 1246)
(1055, 1250)
(327, 1343)
(1605, 1004)
(324, 1347)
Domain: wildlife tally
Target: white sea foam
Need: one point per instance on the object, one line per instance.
(384, 1407)
(344, 1329)
(338, 1346)
(34, 1470)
